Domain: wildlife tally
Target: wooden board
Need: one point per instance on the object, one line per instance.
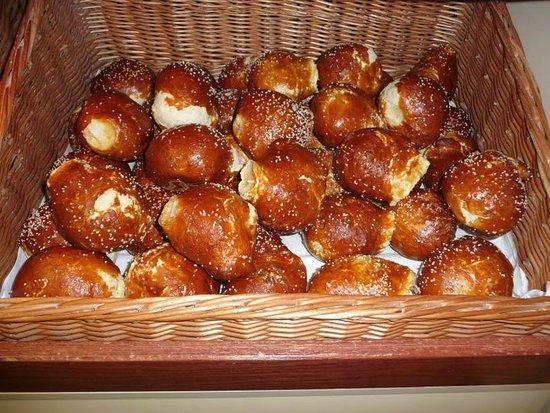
(249, 365)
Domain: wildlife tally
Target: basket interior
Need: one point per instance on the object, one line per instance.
(76, 38)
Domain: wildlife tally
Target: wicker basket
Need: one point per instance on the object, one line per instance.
(61, 44)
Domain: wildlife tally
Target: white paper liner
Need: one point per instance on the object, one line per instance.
(294, 242)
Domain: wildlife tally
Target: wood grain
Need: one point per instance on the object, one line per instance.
(241, 365)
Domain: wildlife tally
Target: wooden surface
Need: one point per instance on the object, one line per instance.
(216, 365)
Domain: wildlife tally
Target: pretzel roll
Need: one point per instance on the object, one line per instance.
(130, 77)
(86, 155)
(113, 125)
(155, 197)
(379, 164)
(40, 231)
(185, 93)
(234, 75)
(162, 272)
(466, 266)
(97, 207)
(228, 100)
(423, 223)
(284, 72)
(362, 275)
(264, 116)
(213, 227)
(352, 64)
(286, 186)
(339, 110)
(327, 158)
(486, 192)
(63, 271)
(416, 107)
(188, 154)
(454, 143)
(347, 225)
(239, 160)
(276, 269)
(439, 64)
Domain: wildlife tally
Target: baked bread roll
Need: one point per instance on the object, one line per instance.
(155, 197)
(454, 143)
(264, 116)
(466, 266)
(162, 272)
(227, 99)
(286, 187)
(86, 155)
(439, 64)
(339, 110)
(486, 192)
(352, 64)
(189, 154)
(284, 72)
(40, 231)
(276, 269)
(234, 75)
(185, 93)
(97, 207)
(113, 125)
(63, 271)
(327, 158)
(347, 225)
(414, 106)
(213, 227)
(130, 77)
(379, 164)
(362, 275)
(423, 223)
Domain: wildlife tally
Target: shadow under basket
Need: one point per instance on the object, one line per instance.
(59, 47)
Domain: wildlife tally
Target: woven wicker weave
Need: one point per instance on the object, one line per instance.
(60, 46)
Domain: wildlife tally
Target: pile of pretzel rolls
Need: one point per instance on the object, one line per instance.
(198, 178)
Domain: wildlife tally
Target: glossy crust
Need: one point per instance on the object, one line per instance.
(113, 125)
(127, 76)
(352, 64)
(416, 107)
(286, 186)
(276, 269)
(379, 164)
(39, 231)
(155, 197)
(162, 272)
(213, 227)
(185, 93)
(327, 158)
(486, 192)
(63, 271)
(455, 142)
(347, 225)
(86, 155)
(284, 72)
(188, 154)
(234, 75)
(264, 116)
(227, 99)
(423, 223)
(466, 266)
(439, 64)
(339, 110)
(97, 207)
(362, 275)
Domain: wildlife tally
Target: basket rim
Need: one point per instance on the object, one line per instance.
(274, 307)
